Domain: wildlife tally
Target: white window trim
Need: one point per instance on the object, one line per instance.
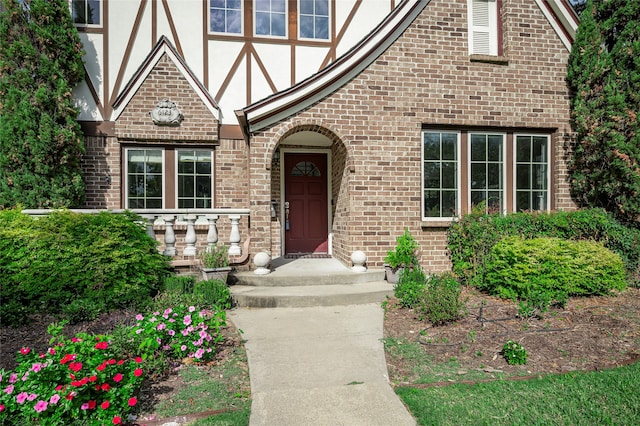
(88, 25)
(458, 177)
(504, 167)
(222, 32)
(286, 23)
(328, 25)
(491, 28)
(177, 190)
(515, 171)
(126, 173)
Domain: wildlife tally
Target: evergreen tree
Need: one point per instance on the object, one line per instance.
(604, 79)
(41, 143)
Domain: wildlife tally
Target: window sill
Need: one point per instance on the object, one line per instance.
(490, 59)
(441, 223)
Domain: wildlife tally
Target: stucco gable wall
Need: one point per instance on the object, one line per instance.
(426, 78)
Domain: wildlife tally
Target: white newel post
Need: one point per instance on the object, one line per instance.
(190, 238)
(169, 236)
(234, 238)
(212, 234)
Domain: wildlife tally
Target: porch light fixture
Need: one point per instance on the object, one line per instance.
(276, 158)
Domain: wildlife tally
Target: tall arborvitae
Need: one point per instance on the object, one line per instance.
(604, 78)
(40, 141)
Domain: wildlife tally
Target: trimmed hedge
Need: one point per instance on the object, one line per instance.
(471, 239)
(517, 268)
(77, 264)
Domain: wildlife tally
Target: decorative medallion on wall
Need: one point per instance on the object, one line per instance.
(166, 113)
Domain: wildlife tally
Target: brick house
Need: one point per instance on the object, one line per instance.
(440, 106)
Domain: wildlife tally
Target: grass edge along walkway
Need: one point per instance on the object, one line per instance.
(577, 398)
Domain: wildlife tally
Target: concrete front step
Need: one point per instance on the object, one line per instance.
(300, 278)
(310, 295)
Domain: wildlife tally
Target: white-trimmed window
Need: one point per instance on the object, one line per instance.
(195, 179)
(270, 18)
(152, 184)
(86, 12)
(486, 171)
(483, 27)
(532, 172)
(313, 19)
(440, 174)
(225, 16)
(145, 171)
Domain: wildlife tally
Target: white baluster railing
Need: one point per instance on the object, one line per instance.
(171, 218)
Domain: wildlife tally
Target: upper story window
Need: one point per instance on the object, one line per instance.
(314, 19)
(483, 27)
(271, 18)
(85, 12)
(225, 16)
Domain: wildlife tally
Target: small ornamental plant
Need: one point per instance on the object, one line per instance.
(514, 353)
(181, 332)
(76, 380)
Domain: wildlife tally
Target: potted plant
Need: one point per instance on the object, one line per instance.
(403, 256)
(215, 263)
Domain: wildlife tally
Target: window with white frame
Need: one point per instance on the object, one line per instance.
(271, 18)
(148, 186)
(486, 174)
(194, 179)
(145, 168)
(440, 174)
(483, 27)
(313, 19)
(85, 12)
(503, 171)
(532, 172)
(225, 16)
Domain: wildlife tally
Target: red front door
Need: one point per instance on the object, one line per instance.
(306, 222)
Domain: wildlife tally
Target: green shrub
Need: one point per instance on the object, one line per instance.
(471, 238)
(517, 268)
(440, 301)
(410, 286)
(214, 293)
(180, 283)
(54, 262)
(404, 255)
(514, 353)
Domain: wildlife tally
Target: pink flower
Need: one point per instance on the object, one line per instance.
(199, 353)
(183, 348)
(161, 326)
(133, 401)
(172, 320)
(76, 340)
(197, 342)
(84, 406)
(8, 390)
(36, 367)
(171, 333)
(102, 345)
(153, 319)
(41, 406)
(22, 397)
(32, 396)
(139, 317)
(54, 398)
(117, 378)
(140, 330)
(192, 308)
(13, 378)
(25, 351)
(25, 376)
(187, 320)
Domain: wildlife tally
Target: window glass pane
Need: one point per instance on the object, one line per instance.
(449, 147)
(278, 6)
(522, 200)
(494, 201)
(494, 176)
(306, 7)
(477, 197)
(186, 188)
(154, 186)
(432, 175)
(262, 23)
(494, 148)
(322, 28)
(216, 18)
(234, 4)
(523, 176)
(154, 203)
(478, 148)
(93, 12)
(136, 186)
(185, 203)
(194, 178)
(449, 203)
(539, 200)
(432, 203)
(523, 149)
(478, 176)
(431, 146)
(449, 176)
(263, 5)
(322, 7)
(203, 186)
(539, 175)
(540, 149)
(278, 25)
(306, 26)
(234, 21)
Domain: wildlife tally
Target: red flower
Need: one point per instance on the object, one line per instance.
(93, 378)
(59, 387)
(25, 351)
(70, 396)
(117, 378)
(105, 387)
(52, 351)
(1, 408)
(121, 362)
(68, 357)
(102, 366)
(92, 404)
(104, 405)
(133, 401)
(102, 345)
(137, 372)
(138, 359)
(42, 355)
(75, 366)
(76, 383)
(111, 361)
(117, 420)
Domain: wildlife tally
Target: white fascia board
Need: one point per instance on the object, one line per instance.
(569, 24)
(326, 83)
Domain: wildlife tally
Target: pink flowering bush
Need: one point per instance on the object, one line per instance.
(76, 380)
(180, 332)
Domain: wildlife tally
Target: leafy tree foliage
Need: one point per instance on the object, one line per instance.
(40, 140)
(604, 78)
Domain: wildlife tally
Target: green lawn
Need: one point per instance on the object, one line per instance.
(609, 397)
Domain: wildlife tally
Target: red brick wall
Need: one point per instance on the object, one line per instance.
(425, 79)
(101, 170)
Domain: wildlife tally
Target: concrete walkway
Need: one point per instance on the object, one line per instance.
(318, 366)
